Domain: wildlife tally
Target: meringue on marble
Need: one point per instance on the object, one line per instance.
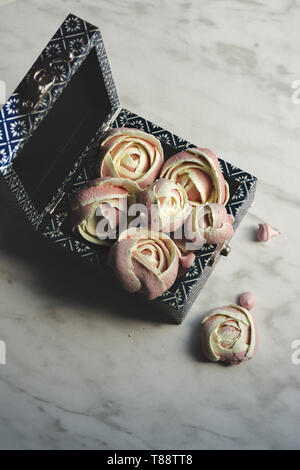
(265, 232)
(229, 335)
(247, 300)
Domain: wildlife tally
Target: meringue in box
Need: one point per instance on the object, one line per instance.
(50, 133)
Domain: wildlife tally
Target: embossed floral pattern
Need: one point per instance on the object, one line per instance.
(18, 129)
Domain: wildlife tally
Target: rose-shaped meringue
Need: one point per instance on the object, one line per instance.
(198, 171)
(166, 205)
(209, 223)
(145, 261)
(133, 154)
(265, 232)
(99, 208)
(229, 335)
(247, 300)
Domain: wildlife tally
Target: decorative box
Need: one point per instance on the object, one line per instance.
(50, 130)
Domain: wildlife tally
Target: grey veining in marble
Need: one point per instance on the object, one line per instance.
(85, 369)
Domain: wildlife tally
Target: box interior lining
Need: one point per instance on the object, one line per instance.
(55, 146)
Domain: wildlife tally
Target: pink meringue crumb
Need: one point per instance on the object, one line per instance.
(265, 232)
(247, 300)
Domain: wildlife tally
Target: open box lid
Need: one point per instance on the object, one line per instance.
(50, 121)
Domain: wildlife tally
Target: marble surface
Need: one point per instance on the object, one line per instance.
(88, 370)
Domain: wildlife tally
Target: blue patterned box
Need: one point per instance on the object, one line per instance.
(50, 130)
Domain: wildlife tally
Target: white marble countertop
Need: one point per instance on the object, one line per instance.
(82, 371)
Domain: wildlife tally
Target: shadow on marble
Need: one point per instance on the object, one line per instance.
(194, 343)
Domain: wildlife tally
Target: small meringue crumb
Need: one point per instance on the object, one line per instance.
(247, 300)
(265, 232)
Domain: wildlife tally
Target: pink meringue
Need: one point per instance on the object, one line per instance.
(229, 335)
(146, 262)
(198, 171)
(247, 300)
(209, 223)
(100, 208)
(133, 154)
(265, 232)
(166, 205)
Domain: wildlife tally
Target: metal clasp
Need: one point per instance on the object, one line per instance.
(222, 250)
(42, 80)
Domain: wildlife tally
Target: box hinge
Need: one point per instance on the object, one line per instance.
(222, 250)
